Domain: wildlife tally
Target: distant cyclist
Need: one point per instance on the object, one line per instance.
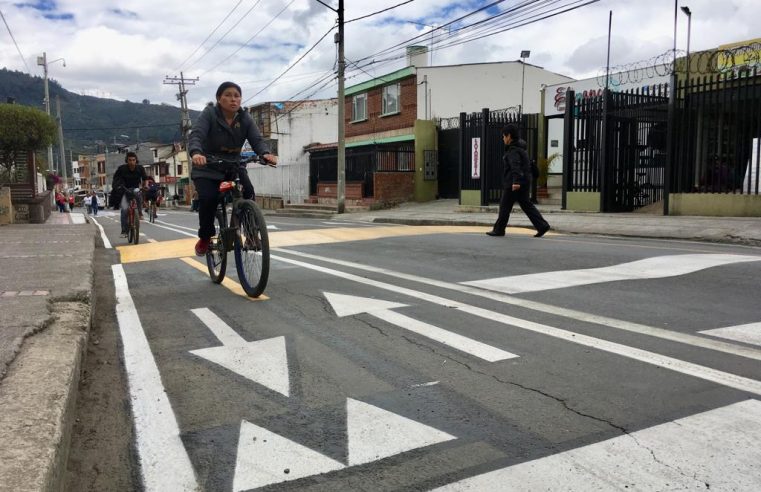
(150, 192)
(219, 133)
(130, 176)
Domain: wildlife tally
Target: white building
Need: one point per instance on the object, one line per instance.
(290, 127)
(446, 91)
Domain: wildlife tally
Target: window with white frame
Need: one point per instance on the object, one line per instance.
(390, 99)
(359, 107)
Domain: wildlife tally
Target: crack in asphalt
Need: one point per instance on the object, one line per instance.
(563, 402)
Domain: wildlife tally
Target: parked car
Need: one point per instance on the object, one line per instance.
(101, 199)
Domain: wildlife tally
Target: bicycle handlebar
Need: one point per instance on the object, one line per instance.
(240, 162)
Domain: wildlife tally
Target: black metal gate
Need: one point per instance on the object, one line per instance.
(449, 158)
(487, 127)
(616, 146)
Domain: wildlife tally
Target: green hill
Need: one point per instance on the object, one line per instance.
(94, 121)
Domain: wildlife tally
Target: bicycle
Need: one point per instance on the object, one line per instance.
(246, 235)
(152, 211)
(133, 217)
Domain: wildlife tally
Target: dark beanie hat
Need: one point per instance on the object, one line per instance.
(227, 85)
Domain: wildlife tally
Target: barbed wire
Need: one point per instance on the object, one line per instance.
(732, 60)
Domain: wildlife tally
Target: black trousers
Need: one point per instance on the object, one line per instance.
(208, 199)
(509, 197)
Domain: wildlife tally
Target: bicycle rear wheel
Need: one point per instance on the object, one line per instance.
(216, 255)
(152, 212)
(252, 249)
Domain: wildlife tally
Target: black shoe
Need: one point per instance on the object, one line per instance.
(542, 232)
(495, 233)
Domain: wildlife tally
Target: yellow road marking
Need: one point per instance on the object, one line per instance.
(232, 285)
(180, 248)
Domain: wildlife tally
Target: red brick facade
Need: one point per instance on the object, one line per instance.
(393, 187)
(375, 123)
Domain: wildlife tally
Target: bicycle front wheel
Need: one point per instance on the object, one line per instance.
(135, 227)
(216, 255)
(252, 249)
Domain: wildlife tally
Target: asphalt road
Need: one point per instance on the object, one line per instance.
(412, 358)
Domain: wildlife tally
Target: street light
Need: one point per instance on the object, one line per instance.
(687, 11)
(43, 62)
(524, 54)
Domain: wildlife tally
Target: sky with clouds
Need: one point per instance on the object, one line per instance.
(125, 49)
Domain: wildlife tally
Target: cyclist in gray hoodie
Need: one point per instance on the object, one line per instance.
(219, 134)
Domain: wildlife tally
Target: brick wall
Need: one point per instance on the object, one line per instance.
(376, 123)
(394, 187)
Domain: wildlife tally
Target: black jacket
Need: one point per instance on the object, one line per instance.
(129, 179)
(517, 165)
(212, 136)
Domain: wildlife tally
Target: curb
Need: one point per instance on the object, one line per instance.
(39, 392)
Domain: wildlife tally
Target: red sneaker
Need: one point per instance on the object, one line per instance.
(202, 246)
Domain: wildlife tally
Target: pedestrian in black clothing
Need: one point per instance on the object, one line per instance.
(516, 183)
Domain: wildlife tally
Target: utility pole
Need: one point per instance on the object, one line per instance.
(185, 123)
(341, 185)
(60, 139)
(43, 60)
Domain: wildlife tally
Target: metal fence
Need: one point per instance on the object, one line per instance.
(361, 165)
(717, 133)
(486, 127)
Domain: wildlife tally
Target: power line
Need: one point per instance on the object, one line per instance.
(379, 12)
(228, 32)
(250, 39)
(209, 36)
(14, 42)
(293, 64)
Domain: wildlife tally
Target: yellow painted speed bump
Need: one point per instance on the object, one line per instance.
(232, 285)
(278, 239)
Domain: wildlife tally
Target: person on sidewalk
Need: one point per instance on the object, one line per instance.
(71, 202)
(59, 201)
(516, 184)
(88, 204)
(94, 203)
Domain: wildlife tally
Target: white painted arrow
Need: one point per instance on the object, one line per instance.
(345, 305)
(375, 434)
(263, 361)
(265, 458)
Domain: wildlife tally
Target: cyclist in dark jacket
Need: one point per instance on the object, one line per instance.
(219, 133)
(130, 175)
(516, 183)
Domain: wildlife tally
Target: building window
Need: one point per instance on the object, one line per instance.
(390, 99)
(359, 107)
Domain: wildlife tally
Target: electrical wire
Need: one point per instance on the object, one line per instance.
(209, 36)
(293, 64)
(227, 32)
(379, 12)
(14, 41)
(250, 39)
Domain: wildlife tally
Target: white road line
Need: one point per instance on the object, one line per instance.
(191, 229)
(717, 449)
(106, 242)
(675, 336)
(175, 230)
(164, 463)
(649, 268)
(688, 368)
(750, 333)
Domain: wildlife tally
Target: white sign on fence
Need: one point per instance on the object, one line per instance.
(475, 165)
(750, 183)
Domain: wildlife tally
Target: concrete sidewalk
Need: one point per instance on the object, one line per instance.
(738, 230)
(46, 278)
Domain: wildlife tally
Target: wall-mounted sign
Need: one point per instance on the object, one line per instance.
(475, 164)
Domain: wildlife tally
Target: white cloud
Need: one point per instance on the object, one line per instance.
(126, 48)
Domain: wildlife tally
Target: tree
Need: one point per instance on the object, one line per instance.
(146, 101)
(22, 129)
